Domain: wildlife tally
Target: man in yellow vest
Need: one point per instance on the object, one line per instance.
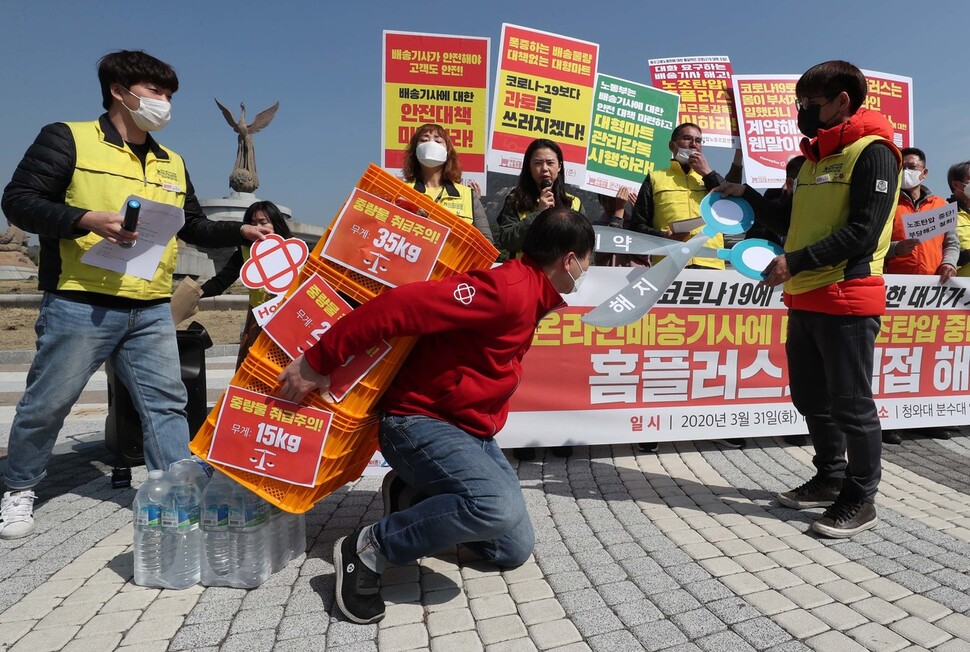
(69, 189)
(838, 225)
(674, 194)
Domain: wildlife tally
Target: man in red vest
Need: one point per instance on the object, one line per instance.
(910, 256)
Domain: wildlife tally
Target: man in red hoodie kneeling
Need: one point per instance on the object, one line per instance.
(838, 225)
(446, 404)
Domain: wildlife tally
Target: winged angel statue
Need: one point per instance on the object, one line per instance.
(243, 177)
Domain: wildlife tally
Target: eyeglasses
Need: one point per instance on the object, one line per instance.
(805, 102)
(690, 139)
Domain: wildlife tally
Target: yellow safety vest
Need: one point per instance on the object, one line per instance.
(821, 206)
(454, 196)
(105, 174)
(574, 203)
(963, 232)
(677, 196)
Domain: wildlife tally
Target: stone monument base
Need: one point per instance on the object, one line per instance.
(15, 266)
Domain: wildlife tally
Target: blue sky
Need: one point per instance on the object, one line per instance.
(322, 61)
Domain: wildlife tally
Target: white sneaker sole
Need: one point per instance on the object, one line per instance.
(15, 531)
(842, 533)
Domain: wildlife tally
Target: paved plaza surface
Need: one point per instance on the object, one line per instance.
(680, 550)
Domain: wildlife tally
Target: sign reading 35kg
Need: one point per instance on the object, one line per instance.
(384, 241)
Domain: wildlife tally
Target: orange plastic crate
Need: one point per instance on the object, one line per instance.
(352, 439)
(349, 446)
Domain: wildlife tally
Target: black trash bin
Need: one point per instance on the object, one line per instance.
(123, 435)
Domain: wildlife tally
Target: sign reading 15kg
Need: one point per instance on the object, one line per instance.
(383, 241)
(269, 436)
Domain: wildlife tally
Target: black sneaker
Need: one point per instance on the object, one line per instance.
(562, 451)
(647, 446)
(737, 442)
(398, 495)
(817, 492)
(845, 518)
(946, 432)
(358, 587)
(524, 454)
(891, 437)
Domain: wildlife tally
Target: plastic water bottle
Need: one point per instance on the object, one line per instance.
(215, 562)
(198, 472)
(297, 534)
(149, 553)
(181, 534)
(249, 545)
(281, 538)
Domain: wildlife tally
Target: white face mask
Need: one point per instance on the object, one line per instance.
(578, 281)
(151, 114)
(431, 154)
(683, 155)
(966, 190)
(911, 178)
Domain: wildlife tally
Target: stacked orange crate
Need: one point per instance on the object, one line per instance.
(352, 438)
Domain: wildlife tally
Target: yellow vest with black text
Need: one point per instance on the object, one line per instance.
(821, 206)
(575, 203)
(963, 232)
(104, 176)
(677, 196)
(462, 205)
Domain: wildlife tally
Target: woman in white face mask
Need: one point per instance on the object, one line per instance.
(431, 166)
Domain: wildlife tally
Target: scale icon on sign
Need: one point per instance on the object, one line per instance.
(263, 464)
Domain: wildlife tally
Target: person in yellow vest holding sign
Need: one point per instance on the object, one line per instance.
(839, 225)
(540, 186)
(958, 178)
(431, 166)
(69, 188)
(267, 215)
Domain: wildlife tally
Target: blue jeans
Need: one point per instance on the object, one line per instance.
(73, 341)
(474, 495)
(830, 360)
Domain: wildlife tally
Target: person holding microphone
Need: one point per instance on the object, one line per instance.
(540, 186)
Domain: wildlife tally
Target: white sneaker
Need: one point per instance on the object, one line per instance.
(17, 514)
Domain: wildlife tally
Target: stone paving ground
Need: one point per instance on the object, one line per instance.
(680, 550)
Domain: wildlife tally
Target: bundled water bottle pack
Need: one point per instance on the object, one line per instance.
(189, 528)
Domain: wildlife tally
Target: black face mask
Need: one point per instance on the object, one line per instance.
(809, 121)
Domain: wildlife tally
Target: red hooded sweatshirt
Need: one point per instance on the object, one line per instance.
(474, 327)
